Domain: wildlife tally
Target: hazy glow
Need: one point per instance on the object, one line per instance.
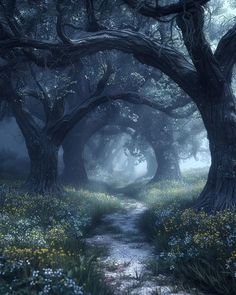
(117, 166)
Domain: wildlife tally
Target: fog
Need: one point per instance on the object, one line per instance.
(108, 159)
(116, 165)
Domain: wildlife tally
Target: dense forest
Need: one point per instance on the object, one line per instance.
(118, 147)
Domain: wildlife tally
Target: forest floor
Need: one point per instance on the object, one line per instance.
(126, 263)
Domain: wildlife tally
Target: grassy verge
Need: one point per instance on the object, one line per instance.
(197, 248)
(42, 248)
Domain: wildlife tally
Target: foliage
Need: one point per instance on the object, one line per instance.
(193, 245)
(42, 248)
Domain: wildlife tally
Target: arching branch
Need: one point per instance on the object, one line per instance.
(168, 60)
(59, 130)
(158, 11)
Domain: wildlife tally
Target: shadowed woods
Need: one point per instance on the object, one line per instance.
(117, 127)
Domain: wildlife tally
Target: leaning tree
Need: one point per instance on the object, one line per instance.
(204, 75)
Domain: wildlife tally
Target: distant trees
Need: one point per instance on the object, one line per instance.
(153, 125)
(44, 131)
(43, 138)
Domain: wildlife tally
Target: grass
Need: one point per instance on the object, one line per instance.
(42, 249)
(197, 248)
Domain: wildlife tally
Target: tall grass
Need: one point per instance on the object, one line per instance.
(42, 249)
(197, 248)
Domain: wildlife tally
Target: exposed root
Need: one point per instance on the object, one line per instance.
(218, 196)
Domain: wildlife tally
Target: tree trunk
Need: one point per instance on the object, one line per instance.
(168, 164)
(44, 166)
(165, 151)
(74, 172)
(220, 121)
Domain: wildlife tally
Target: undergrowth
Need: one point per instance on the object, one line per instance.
(42, 249)
(197, 248)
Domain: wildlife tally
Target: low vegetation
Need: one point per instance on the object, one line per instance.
(42, 248)
(197, 248)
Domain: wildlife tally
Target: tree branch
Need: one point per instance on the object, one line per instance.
(191, 24)
(4, 110)
(93, 25)
(5, 32)
(60, 129)
(45, 99)
(101, 85)
(168, 60)
(60, 26)
(159, 11)
(26, 122)
(226, 53)
(24, 119)
(8, 11)
(182, 114)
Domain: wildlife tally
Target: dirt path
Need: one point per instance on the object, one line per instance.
(125, 266)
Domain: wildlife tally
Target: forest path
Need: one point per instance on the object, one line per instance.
(125, 265)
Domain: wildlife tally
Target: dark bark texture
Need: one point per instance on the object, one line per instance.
(43, 177)
(219, 192)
